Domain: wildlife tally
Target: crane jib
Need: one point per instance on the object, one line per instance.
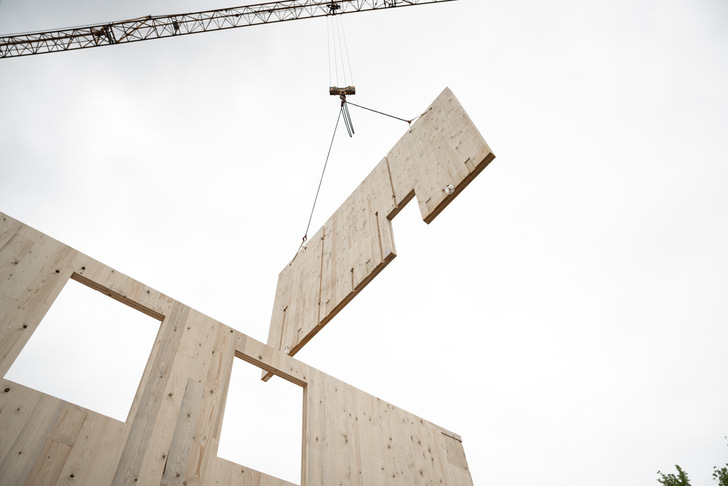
(161, 26)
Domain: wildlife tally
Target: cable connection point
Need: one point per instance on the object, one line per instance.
(336, 91)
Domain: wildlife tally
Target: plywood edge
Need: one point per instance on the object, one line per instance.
(326, 319)
(272, 361)
(117, 296)
(459, 188)
(452, 435)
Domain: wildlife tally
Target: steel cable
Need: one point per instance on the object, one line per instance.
(409, 122)
(315, 199)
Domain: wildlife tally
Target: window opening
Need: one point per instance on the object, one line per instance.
(90, 350)
(263, 423)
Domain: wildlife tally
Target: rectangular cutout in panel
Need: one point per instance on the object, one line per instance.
(89, 350)
(263, 424)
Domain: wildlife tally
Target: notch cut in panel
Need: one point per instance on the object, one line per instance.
(263, 424)
(89, 350)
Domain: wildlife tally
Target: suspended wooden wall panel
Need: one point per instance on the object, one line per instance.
(438, 156)
(172, 431)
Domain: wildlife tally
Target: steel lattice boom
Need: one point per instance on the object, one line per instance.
(157, 27)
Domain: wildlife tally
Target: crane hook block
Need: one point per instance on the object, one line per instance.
(335, 91)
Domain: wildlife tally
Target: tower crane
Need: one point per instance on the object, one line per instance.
(159, 26)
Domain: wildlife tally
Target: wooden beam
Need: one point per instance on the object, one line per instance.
(434, 161)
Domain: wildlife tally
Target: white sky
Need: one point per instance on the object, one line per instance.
(566, 315)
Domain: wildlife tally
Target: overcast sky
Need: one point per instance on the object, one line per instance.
(566, 314)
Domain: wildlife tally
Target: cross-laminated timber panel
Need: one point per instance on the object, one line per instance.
(443, 149)
(172, 431)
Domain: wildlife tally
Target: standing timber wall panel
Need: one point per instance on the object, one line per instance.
(172, 432)
(442, 148)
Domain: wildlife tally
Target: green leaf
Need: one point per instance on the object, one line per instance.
(672, 480)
